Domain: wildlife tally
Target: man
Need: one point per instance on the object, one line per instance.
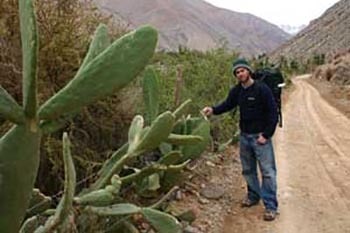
(258, 119)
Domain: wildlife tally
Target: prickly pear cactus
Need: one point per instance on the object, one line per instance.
(151, 94)
(102, 201)
(106, 69)
(102, 195)
(19, 148)
(162, 223)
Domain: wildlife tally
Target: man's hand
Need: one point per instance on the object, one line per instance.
(261, 140)
(207, 111)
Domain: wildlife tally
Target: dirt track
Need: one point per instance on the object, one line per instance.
(313, 162)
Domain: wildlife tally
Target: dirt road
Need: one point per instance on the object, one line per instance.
(313, 162)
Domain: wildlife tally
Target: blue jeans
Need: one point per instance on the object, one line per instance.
(253, 154)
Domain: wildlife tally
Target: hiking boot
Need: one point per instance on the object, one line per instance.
(248, 203)
(270, 215)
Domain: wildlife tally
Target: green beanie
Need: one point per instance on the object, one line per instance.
(241, 62)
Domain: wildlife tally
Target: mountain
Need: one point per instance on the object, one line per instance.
(329, 34)
(293, 30)
(198, 25)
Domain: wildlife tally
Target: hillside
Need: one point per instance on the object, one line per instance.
(328, 34)
(198, 25)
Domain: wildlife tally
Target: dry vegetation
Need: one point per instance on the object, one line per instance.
(333, 81)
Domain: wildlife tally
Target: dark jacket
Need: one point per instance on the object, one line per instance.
(258, 110)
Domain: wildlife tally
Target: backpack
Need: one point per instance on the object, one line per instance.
(273, 78)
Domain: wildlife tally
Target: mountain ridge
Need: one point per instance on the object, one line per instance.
(328, 35)
(199, 25)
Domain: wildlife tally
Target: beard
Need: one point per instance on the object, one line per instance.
(243, 79)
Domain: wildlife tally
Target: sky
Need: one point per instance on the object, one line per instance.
(279, 12)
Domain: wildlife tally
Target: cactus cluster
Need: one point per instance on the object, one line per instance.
(185, 124)
(143, 139)
(103, 196)
(100, 202)
(106, 68)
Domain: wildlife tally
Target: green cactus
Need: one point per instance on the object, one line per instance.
(30, 225)
(190, 143)
(105, 190)
(151, 94)
(173, 157)
(127, 227)
(99, 43)
(65, 206)
(142, 140)
(102, 73)
(38, 203)
(147, 171)
(94, 81)
(29, 39)
(135, 132)
(190, 136)
(18, 167)
(180, 139)
(18, 164)
(160, 129)
(9, 109)
(162, 222)
(101, 197)
(182, 109)
(201, 128)
(196, 127)
(104, 197)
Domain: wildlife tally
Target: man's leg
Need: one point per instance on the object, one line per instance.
(249, 168)
(266, 158)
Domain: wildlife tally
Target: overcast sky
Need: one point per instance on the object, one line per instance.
(290, 12)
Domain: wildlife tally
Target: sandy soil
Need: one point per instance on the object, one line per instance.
(313, 160)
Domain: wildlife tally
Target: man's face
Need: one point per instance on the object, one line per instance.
(242, 74)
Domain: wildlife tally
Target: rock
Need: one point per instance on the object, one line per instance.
(190, 229)
(178, 195)
(203, 200)
(236, 160)
(208, 222)
(188, 216)
(213, 191)
(210, 164)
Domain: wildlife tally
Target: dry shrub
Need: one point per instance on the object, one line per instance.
(337, 71)
(342, 71)
(328, 73)
(318, 73)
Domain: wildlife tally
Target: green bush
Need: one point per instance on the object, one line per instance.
(204, 77)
